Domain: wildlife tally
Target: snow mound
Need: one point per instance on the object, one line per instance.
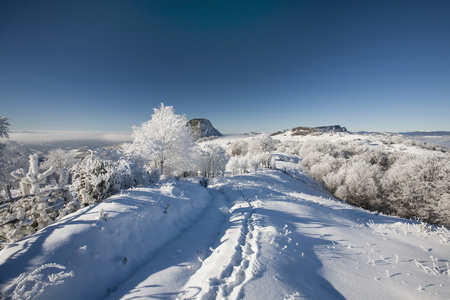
(101, 245)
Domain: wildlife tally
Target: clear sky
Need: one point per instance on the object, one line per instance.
(261, 65)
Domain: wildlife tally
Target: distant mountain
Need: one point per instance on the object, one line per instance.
(426, 133)
(311, 130)
(430, 137)
(202, 128)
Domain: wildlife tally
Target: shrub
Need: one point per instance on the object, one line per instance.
(95, 179)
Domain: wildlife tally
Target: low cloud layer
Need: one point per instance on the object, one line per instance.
(72, 138)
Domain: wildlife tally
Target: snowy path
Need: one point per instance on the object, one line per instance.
(265, 235)
(167, 271)
(232, 262)
(270, 234)
(226, 226)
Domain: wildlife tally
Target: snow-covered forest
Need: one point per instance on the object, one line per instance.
(148, 192)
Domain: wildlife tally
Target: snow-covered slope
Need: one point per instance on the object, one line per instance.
(270, 235)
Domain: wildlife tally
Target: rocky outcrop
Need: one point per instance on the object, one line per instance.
(313, 130)
(332, 128)
(320, 129)
(202, 128)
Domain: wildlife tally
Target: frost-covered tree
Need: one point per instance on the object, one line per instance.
(239, 148)
(13, 156)
(266, 160)
(164, 142)
(233, 164)
(252, 162)
(62, 160)
(4, 127)
(30, 182)
(261, 143)
(212, 160)
(361, 184)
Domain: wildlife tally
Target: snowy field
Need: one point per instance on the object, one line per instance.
(269, 235)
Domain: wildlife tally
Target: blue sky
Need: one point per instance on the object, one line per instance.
(245, 65)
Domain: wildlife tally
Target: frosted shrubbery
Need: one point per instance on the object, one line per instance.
(36, 208)
(377, 178)
(96, 178)
(360, 186)
(29, 214)
(251, 154)
(420, 184)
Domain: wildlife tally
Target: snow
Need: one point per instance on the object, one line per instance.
(114, 236)
(271, 235)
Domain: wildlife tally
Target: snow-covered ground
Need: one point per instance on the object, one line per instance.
(270, 235)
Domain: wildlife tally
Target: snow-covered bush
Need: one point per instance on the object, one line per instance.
(28, 214)
(95, 179)
(30, 182)
(419, 184)
(164, 142)
(361, 184)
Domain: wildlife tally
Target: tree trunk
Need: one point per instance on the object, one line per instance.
(8, 192)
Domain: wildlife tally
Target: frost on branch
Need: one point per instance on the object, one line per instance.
(29, 184)
(31, 285)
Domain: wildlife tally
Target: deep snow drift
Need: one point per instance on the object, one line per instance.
(270, 235)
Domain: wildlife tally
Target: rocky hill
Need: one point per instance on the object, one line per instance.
(203, 128)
